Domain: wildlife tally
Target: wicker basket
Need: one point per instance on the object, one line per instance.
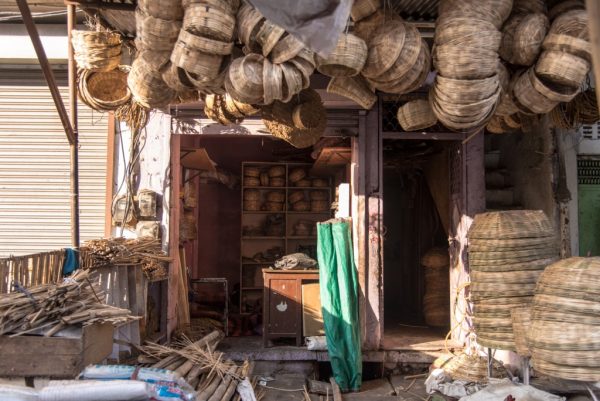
(205, 44)
(159, 34)
(414, 78)
(274, 206)
(104, 91)
(462, 62)
(252, 205)
(467, 31)
(347, 59)
(176, 78)
(268, 35)
(303, 183)
(249, 21)
(436, 258)
(164, 9)
(361, 9)
(297, 174)
(560, 7)
(572, 23)
(272, 82)
(319, 206)
(252, 172)
(522, 38)
(409, 55)
(210, 22)
(472, 368)
(521, 320)
(529, 97)
(277, 171)
(319, 195)
(305, 65)
(204, 65)
(562, 68)
(513, 224)
(264, 179)
(147, 86)
(96, 51)
(495, 11)
(293, 81)
(286, 49)
(251, 182)
(229, 6)
(385, 45)
(529, 6)
(296, 196)
(301, 206)
(244, 82)
(565, 43)
(416, 115)
(354, 88)
(251, 195)
(277, 182)
(276, 196)
(319, 183)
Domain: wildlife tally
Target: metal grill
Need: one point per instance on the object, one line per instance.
(590, 131)
(588, 171)
(389, 121)
(455, 169)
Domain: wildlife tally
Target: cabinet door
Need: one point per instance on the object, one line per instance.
(284, 306)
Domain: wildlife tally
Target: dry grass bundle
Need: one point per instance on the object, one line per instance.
(133, 114)
(145, 251)
(522, 38)
(354, 88)
(346, 60)
(97, 51)
(52, 307)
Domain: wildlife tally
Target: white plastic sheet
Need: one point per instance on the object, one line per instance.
(17, 393)
(499, 390)
(92, 390)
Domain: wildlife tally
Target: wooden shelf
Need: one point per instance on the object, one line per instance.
(261, 212)
(263, 238)
(258, 263)
(301, 237)
(309, 212)
(252, 288)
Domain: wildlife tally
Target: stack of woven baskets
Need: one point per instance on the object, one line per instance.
(436, 302)
(564, 336)
(467, 39)
(508, 250)
(522, 37)
(298, 202)
(275, 201)
(226, 110)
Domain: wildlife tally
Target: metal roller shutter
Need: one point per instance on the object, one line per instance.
(34, 167)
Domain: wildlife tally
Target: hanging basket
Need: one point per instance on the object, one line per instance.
(159, 34)
(204, 65)
(568, 44)
(268, 35)
(572, 23)
(413, 79)
(286, 49)
(147, 86)
(354, 88)
(249, 22)
(408, 57)
(164, 9)
(522, 38)
(244, 81)
(347, 59)
(272, 82)
(416, 115)
(96, 51)
(104, 91)
(361, 9)
(562, 68)
(210, 22)
(385, 45)
(205, 44)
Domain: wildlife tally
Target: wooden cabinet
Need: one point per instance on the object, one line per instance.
(282, 304)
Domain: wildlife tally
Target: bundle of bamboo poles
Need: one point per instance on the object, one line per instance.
(145, 251)
(51, 307)
(200, 365)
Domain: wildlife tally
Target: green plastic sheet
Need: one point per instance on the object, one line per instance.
(339, 302)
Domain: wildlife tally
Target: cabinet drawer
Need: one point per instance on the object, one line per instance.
(284, 306)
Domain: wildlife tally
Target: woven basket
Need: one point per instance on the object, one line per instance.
(286, 49)
(347, 59)
(304, 117)
(296, 196)
(277, 171)
(354, 88)
(249, 22)
(467, 31)
(268, 35)
(205, 44)
(147, 86)
(436, 258)
(301, 206)
(251, 182)
(252, 172)
(560, 7)
(164, 9)
(229, 6)
(104, 91)
(411, 50)
(244, 82)
(319, 206)
(272, 82)
(176, 78)
(514, 277)
(244, 108)
(252, 205)
(251, 195)
(552, 91)
(385, 45)
(521, 320)
(416, 115)
(319, 183)
(210, 22)
(529, 97)
(305, 65)
(303, 183)
(96, 51)
(572, 23)
(277, 182)
(297, 174)
(293, 81)
(462, 62)
(472, 368)
(562, 68)
(413, 79)
(276, 196)
(206, 66)
(529, 6)
(361, 9)
(511, 224)
(264, 179)
(319, 195)
(495, 11)
(522, 38)
(159, 34)
(274, 206)
(565, 43)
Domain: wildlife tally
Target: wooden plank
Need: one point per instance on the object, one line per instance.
(110, 174)
(337, 394)
(97, 343)
(429, 136)
(331, 158)
(593, 9)
(174, 210)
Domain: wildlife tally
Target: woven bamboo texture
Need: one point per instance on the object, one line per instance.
(147, 86)
(354, 88)
(96, 51)
(562, 68)
(106, 90)
(347, 59)
(416, 115)
(522, 38)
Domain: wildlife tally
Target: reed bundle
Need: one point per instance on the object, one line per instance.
(133, 114)
(50, 308)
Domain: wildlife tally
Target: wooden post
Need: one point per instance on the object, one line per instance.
(174, 210)
(593, 9)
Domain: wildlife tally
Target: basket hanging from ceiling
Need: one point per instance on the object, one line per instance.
(96, 51)
(354, 88)
(244, 80)
(562, 68)
(159, 34)
(163, 9)
(147, 86)
(210, 22)
(347, 59)
(104, 90)
(416, 115)
(361, 9)
(522, 38)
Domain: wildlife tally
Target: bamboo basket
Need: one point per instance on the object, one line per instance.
(529, 7)
(385, 45)
(472, 368)
(495, 11)
(301, 206)
(416, 115)
(276, 196)
(562, 68)
(305, 65)
(147, 86)
(251, 182)
(204, 65)
(297, 174)
(296, 196)
(210, 22)
(564, 6)
(568, 44)
(249, 22)
(304, 118)
(521, 321)
(552, 91)
(361, 9)
(176, 78)
(252, 205)
(286, 49)
(272, 82)
(244, 81)
(514, 277)
(347, 59)
(354, 88)
(274, 206)
(163, 9)
(293, 81)
(277, 171)
(159, 34)
(96, 51)
(467, 31)
(496, 125)
(319, 183)
(252, 172)
(228, 6)
(318, 195)
(251, 195)
(319, 206)
(436, 258)
(264, 179)
(511, 224)
(365, 28)
(303, 183)
(572, 23)
(408, 57)
(104, 91)
(205, 44)
(413, 79)
(528, 96)
(268, 35)
(277, 181)
(522, 38)
(465, 62)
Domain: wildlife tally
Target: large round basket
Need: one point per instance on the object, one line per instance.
(206, 66)
(521, 320)
(416, 115)
(354, 88)
(159, 34)
(106, 90)
(164, 9)
(347, 59)
(572, 23)
(565, 43)
(244, 82)
(522, 38)
(385, 44)
(268, 35)
(147, 86)
(408, 57)
(286, 49)
(562, 68)
(96, 51)
(211, 22)
(495, 11)
(529, 97)
(361, 9)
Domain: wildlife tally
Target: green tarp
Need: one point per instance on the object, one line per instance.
(339, 301)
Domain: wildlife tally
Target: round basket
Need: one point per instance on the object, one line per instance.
(301, 206)
(467, 32)
(249, 21)
(252, 205)
(361, 9)
(96, 51)
(251, 195)
(436, 258)
(272, 82)
(572, 23)
(297, 174)
(293, 81)
(304, 116)
(244, 108)
(318, 195)
(511, 224)
(528, 96)
(416, 115)
(176, 78)
(305, 65)
(244, 82)
(252, 172)
(411, 50)
(268, 35)
(205, 44)
(472, 368)
(206, 66)
(529, 6)
(296, 196)
(277, 182)
(147, 86)
(210, 22)
(562, 68)
(277, 171)
(552, 91)
(462, 62)
(319, 206)
(164, 9)
(159, 34)
(521, 320)
(319, 183)
(354, 88)
(106, 90)
(385, 45)
(413, 79)
(522, 38)
(565, 43)
(251, 182)
(347, 59)
(303, 183)
(495, 11)
(274, 206)
(286, 49)
(264, 179)
(229, 6)
(276, 196)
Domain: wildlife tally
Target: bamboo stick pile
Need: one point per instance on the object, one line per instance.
(51, 307)
(200, 365)
(145, 251)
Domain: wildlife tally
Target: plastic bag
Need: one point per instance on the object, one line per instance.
(95, 390)
(17, 393)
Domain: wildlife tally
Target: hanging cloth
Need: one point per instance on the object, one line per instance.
(339, 302)
(71, 261)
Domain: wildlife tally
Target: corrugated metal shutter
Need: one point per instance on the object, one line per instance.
(34, 167)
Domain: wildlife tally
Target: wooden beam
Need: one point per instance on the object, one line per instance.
(174, 211)
(427, 136)
(103, 5)
(593, 9)
(110, 174)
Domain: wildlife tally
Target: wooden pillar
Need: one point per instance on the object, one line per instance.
(174, 211)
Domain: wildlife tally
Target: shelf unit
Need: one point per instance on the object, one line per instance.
(251, 281)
